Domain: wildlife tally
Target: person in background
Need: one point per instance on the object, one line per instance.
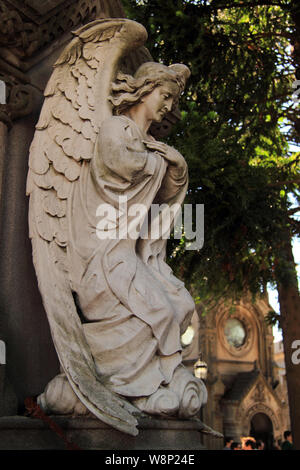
(235, 446)
(228, 442)
(260, 445)
(276, 445)
(246, 440)
(288, 441)
(249, 445)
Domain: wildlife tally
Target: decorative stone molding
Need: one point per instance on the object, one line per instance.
(26, 27)
(44, 7)
(259, 392)
(19, 100)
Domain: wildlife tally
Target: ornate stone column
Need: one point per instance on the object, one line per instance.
(16, 102)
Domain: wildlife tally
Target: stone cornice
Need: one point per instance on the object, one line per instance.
(26, 27)
(30, 30)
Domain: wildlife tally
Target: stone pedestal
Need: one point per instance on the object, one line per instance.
(22, 433)
(8, 399)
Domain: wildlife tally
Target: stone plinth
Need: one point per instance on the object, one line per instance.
(23, 433)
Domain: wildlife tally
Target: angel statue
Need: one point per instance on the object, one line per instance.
(115, 310)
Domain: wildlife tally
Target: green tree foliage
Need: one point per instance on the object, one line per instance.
(235, 133)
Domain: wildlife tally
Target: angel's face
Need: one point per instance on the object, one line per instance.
(160, 101)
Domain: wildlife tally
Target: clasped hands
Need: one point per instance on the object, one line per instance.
(168, 153)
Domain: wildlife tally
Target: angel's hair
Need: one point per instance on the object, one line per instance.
(127, 91)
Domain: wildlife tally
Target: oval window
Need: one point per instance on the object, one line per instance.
(235, 332)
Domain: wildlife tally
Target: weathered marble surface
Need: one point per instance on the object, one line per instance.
(115, 310)
(23, 433)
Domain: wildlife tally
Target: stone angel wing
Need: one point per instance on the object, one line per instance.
(75, 105)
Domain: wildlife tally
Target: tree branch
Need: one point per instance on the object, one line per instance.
(278, 184)
(294, 210)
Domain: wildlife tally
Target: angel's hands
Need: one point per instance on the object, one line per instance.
(155, 146)
(168, 153)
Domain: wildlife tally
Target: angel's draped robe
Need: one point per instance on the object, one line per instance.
(133, 308)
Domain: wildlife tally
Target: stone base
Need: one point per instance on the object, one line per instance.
(23, 433)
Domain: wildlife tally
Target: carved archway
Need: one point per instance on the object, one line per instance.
(247, 417)
(262, 429)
